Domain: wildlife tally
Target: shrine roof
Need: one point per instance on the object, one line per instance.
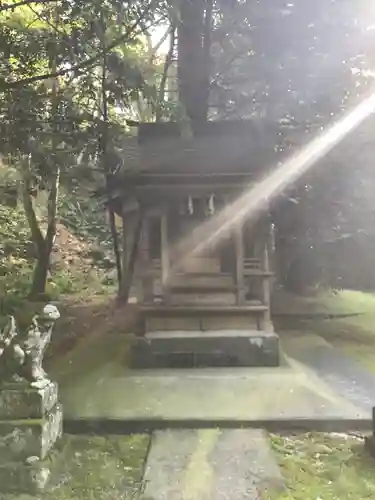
(160, 162)
(217, 148)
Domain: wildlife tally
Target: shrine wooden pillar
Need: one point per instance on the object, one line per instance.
(164, 254)
(145, 283)
(128, 227)
(266, 282)
(240, 275)
(266, 285)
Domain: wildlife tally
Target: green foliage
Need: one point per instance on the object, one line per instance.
(14, 234)
(15, 254)
(85, 216)
(277, 60)
(69, 72)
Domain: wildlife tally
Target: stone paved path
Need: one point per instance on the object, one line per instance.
(342, 373)
(210, 464)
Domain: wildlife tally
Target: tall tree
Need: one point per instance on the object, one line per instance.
(194, 41)
(52, 89)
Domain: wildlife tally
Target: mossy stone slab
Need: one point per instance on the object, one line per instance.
(18, 401)
(22, 440)
(207, 464)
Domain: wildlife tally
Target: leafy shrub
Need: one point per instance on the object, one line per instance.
(85, 217)
(16, 251)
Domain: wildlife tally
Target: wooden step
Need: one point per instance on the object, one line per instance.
(218, 298)
(210, 309)
(201, 317)
(258, 272)
(209, 276)
(202, 289)
(217, 281)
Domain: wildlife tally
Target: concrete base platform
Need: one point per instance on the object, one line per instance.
(188, 349)
(209, 395)
(99, 391)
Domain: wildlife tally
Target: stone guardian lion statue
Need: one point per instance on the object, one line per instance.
(21, 355)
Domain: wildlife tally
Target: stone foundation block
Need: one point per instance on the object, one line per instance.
(19, 402)
(183, 349)
(29, 439)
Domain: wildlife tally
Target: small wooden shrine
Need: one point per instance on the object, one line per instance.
(213, 308)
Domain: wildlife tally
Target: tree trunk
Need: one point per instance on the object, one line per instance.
(44, 244)
(40, 275)
(103, 150)
(41, 248)
(194, 32)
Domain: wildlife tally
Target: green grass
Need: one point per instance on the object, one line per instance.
(93, 467)
(109, 468)
(324, 467)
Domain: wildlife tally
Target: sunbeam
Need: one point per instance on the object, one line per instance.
(258, 196)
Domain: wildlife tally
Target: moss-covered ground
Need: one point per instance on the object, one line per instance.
(98, 468)
(107, 468)
(325, 467)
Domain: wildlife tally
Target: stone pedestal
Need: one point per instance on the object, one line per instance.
(30, 430)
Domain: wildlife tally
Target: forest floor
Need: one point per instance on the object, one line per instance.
(324, 467)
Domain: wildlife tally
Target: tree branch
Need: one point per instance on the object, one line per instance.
(167, 64)
(160, 42)
(47, 21)
(11, 6)
(83, 64)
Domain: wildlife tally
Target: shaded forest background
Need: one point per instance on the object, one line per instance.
(74, 74)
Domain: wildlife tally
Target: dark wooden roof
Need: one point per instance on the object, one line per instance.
(217, 148)
(226, 154)
(151, 132)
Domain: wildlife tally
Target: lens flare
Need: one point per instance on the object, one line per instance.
(258, 196)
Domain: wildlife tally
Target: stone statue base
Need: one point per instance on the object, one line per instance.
(30, 431)
(34, 478)
(19, 400)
